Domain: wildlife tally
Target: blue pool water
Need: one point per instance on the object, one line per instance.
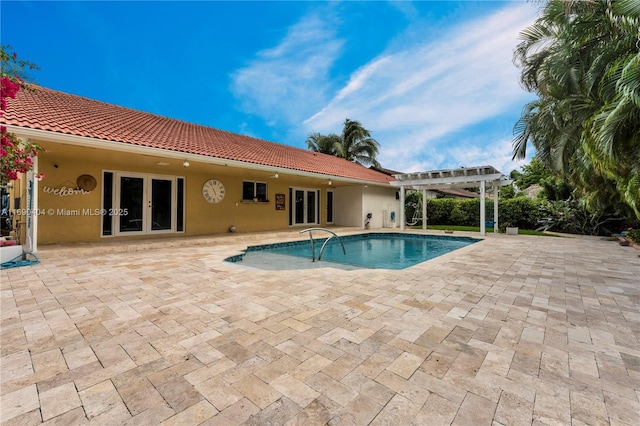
(374, 251)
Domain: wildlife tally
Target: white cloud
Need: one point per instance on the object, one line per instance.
(497, 154)
(407, 8)
(416, 98)
(281, 83)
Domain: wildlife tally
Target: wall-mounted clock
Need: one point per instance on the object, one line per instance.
(213, 191)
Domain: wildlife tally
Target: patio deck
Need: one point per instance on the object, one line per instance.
(512, 330)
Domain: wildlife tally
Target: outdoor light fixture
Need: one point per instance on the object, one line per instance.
(185, 164)
(275, 176)
(330, 183)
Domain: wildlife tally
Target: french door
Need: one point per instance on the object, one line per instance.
(305, 206)
(144, 204)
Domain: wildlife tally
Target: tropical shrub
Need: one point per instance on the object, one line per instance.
(581, 59)
(567, 216)
(522, 212)
(633, 235)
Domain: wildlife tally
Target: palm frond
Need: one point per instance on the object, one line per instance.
(627, 7)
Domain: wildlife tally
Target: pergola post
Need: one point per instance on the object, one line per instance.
(424, 208)
(496, 190)
(31, 234)
(402, 218)
(483, 224)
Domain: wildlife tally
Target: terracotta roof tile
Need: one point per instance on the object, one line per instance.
(59, 112)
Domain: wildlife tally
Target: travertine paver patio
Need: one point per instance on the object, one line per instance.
(513, 330)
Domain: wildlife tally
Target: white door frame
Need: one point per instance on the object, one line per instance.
(146, 227)
(292, 212)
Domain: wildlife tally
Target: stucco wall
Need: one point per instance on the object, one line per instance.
(67, 217)
(354, 202)
(380, 202)
(201, 217)
(348, 211)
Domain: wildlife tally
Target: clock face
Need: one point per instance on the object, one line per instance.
(213, 191)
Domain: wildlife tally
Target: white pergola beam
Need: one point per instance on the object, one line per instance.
(429, 186)
(470, 180)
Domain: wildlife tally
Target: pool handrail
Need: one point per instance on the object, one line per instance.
(313, 250)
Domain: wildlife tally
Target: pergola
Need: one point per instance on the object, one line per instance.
(464, 177)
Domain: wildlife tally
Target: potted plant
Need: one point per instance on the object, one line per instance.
(511, 230)
(508, 228)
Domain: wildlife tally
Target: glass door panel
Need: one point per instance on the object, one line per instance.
(131, 204)
(311, 207)
(299, 207)
(329, 206)
(161, 205)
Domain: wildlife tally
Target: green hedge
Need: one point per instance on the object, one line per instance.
(569, 216)
(521, 211)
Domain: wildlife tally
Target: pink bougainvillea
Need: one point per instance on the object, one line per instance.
(9, 90)
(16, 156)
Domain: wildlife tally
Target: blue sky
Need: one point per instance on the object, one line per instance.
(432, 80)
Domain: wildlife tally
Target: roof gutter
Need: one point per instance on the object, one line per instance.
(90, 142)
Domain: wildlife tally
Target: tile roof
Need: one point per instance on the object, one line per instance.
(60, 112)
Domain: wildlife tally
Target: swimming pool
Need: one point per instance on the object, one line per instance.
(372, 251)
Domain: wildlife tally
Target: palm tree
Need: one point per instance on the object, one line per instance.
(325, 144)
(582, 60)
(354, 144)
(357, 144)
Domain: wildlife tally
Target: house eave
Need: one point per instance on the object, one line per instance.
(85, 141)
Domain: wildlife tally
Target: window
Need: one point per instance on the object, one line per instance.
(254, 191)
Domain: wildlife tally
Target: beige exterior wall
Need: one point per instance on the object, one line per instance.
(68, 215)
(355, 202)
(349, 206)
(380, 202)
